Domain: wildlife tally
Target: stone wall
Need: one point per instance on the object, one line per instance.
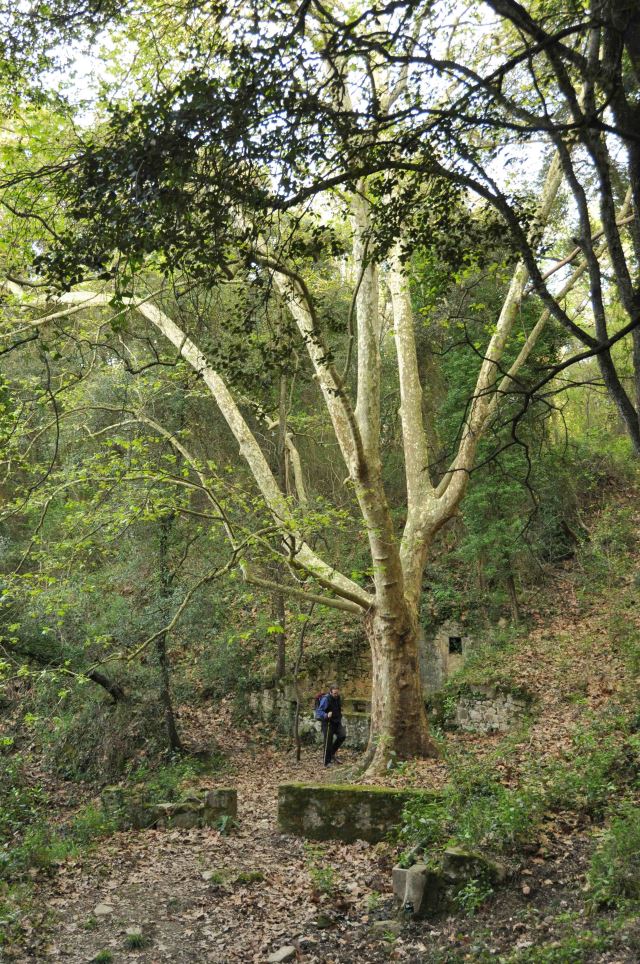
(277, 704)
(487, 709)
(483, 710)
(441, 654)
(341, 812)
(129, 807)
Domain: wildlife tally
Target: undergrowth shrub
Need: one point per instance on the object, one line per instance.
(16, 902)
(97, 740)
(21, 805)
(321, 873)
(166, 784)
(27, 839)
(605, 555)
(476, 811)
(614, 874)
(42, 846)
(227, 668)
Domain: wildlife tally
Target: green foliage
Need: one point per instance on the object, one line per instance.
(249, 877)
(575, 942)
(22, 839)
(607, 553)
(487, 663)
(15, 901)
(321, 873)
(225, 824)
(374, 899)
(21, 800)
(476, 811)
(575, 948)
(165, 784)
(135, 941)
(216, 877)
(91, 739)
(473, 895)
(227, 668)
(614, 874)
(27, 837)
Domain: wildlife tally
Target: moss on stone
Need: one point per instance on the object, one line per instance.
(342, 811)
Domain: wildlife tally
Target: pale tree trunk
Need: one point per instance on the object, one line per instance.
(399, 725)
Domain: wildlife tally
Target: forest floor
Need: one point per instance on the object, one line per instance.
(205, 896)
(158, 884)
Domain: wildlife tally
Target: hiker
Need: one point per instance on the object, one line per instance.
(333, 732)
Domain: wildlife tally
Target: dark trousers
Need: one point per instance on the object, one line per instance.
(333, 736)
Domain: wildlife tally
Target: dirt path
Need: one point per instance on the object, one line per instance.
(155, 883)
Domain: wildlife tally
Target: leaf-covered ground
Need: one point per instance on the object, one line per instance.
(201, 895)
(190, 896)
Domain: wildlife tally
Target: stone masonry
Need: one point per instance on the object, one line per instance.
(129, 808)
(341, 811)
(487, 710)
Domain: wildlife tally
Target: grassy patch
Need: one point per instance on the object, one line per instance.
(321, 873)
(614, 875)
(135, 941)
(476, 811)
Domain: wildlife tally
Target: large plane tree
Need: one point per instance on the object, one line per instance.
(268, 144)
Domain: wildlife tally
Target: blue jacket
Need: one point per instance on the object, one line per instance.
(330, 704)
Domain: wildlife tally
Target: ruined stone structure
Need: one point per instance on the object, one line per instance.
(488, 709)
(129, 808)
(342, 811)
(441, 654)
(426, 890)
(277, 704)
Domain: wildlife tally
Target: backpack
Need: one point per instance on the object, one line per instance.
(317, 700)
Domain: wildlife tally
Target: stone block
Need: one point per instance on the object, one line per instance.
(128, 808)
(459, 866)
(419, 890)
(221, 802)
(357, 727)
(343, 811)
(180, 816)
(287, 953)
(425, 891)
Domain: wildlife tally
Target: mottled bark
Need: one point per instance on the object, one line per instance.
(399, 725)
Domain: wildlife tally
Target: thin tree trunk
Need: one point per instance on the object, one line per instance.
(399, 725)
(636, 370)
(296, 684)
(513, 597)
(621, 399)
(173, 737)
(278, 607)
(278, 615)
(482, 585)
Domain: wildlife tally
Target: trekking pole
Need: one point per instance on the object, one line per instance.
(326, 742)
